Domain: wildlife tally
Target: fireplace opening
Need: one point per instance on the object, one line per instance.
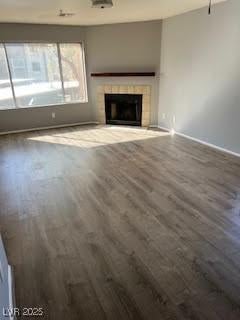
(123, 109)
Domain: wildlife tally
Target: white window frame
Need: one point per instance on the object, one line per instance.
(16, 106)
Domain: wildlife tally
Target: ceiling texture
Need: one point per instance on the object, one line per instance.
(46, 11)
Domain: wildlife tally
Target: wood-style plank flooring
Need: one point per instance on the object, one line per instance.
(121, 223)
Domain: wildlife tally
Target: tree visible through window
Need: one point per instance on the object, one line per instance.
(42, 74)
(73, 71)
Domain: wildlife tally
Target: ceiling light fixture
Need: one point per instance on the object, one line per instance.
(210, 7)
(102, 4)
(63, 14)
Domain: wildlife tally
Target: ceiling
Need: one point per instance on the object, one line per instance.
(46, 11)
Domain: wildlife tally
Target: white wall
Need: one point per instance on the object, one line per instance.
(200, 75)
(126, 47)
(4, 289)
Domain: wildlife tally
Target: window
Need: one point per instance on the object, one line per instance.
(6, 95)
(34, 74)
(73, 72)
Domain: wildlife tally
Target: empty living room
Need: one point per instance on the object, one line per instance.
(120, 159)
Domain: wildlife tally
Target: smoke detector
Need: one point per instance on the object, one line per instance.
(102, 4)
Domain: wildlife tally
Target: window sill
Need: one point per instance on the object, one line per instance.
(46, 106)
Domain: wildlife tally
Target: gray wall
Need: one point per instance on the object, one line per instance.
(125, 47)
(200, 75)
(119, 47)
(18, 119)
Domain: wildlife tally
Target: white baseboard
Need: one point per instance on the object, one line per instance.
(163, 128)
(159, 127)
(50, 127)
(209, 144)
(153, 126)
(202, 142)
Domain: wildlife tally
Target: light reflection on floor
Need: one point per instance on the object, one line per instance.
(91, 137)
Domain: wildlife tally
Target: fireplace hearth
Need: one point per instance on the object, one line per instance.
(123, 109)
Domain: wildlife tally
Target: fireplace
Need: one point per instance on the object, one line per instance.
(104, 113)
(123, 109)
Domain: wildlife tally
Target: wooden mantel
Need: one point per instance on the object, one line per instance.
(123, 74)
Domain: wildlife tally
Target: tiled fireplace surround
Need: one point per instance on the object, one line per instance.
(145, 90)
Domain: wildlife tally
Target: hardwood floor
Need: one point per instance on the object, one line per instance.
(120, 223)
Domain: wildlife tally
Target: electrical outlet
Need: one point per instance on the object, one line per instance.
(53, 115)
(164, 116)
(174, 119)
